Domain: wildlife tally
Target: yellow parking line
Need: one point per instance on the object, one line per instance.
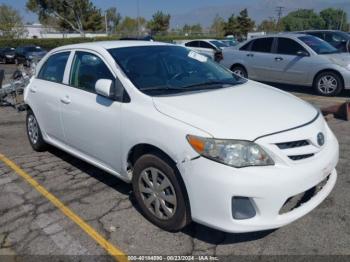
(111, 249)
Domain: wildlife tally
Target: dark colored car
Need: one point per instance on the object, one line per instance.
(27, 54)
(7, 55)
(338, 39)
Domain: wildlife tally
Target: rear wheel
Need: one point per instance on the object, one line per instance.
(239, 70)
(328, 84)
(34, 133)
(159, 193)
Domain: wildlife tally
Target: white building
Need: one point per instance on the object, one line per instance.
(40, 31)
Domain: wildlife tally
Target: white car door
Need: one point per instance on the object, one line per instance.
(44, 95)
(91, 122)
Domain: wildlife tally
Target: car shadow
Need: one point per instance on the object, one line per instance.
(194, 230)
(304, 89)
(97, 173)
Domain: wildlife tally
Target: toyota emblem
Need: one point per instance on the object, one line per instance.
(320, 139)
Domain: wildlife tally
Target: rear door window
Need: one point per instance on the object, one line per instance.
(192, 44)
(53, 69)
(262, 45)
(203, 44)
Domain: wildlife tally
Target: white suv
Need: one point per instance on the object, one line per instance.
(196, 141)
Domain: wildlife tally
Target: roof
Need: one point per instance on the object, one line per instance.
(288, 35)
(113, 44)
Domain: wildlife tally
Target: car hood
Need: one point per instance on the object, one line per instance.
(342, 59)
(245, 111)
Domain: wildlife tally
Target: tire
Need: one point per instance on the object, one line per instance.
(27, 63)
(239, 70)
(178, 211)
(34, 133)
(328, 83)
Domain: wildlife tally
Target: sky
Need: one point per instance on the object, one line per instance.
(197, 11)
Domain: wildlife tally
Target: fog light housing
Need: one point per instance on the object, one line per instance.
(242, 208)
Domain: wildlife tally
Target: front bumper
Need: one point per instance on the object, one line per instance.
(211, 187)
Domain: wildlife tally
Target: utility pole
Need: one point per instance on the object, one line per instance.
(279, 11)
(138, 17)
(106, 23)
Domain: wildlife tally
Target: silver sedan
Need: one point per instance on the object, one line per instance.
(296, 59)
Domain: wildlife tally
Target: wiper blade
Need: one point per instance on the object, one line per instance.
(209, 84)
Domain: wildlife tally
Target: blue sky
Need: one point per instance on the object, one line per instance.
(198, 11)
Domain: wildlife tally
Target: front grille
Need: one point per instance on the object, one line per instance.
(297, 200)
(293, 144)
(300, 157)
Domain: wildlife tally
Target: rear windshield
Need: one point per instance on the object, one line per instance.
(318, 45)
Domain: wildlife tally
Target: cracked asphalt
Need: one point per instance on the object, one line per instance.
(30, 225)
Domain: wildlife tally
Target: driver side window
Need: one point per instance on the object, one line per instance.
(86, 69)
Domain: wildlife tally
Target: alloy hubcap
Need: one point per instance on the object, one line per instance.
(33, 129)
(327, 84)
(158, 193)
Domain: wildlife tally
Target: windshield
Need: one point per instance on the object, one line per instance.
(218, 44)
(318, 45)
(163, 70)
(33, 49)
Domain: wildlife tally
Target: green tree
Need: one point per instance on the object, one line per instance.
(231, 27)
(159, 22)
(113, 19)
(217, 27)
(11, 25)
(302, 19)
(77, 15)
(268, 25)
(186, 29)
(246, 24)
(334, 19)
(129, 25)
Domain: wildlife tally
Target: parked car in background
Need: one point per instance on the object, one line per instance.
(196, 141)
(338, 39)
(296, 59)
(7, 55)
(209, 47)
(27, 54)
(229, 42)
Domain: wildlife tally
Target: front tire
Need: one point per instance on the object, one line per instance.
(239, 70)
(34, 133)
(328, 84)
(159, 193)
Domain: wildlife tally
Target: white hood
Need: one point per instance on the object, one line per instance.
(244, 111)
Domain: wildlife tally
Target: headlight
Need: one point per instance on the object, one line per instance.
(236, 153)
(30, 57)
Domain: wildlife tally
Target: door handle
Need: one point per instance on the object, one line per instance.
(32, 89)
(279, 58)
(65, 100)
(250, 55)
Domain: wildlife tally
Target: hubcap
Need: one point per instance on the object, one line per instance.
(157, 193)
(33, 129)
(327, 84)
(239, 72)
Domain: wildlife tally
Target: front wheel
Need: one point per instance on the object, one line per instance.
(328, 84)
(34, 133)
(159, 193)
(239, 70)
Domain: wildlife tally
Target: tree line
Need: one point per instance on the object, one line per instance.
(82, 16)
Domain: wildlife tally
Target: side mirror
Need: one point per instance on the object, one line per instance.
(302, 53)
(104, 87)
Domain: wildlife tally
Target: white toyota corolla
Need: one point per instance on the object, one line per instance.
(196, 141)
